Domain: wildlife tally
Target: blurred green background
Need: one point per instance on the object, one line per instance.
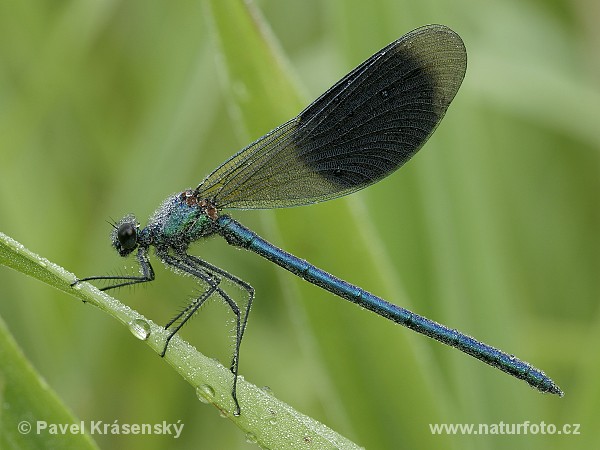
(108, 107)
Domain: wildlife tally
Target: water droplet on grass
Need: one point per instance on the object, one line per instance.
(205, 393)
(140, 329)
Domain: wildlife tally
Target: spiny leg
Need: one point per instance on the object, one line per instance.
(202, 270)
(147, 274)
(244, 320)
(186, 313)
(187, 308)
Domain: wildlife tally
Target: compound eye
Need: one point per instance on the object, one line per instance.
(127, 236)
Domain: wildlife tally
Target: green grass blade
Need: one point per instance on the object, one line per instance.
(265, 420)
(29, 405)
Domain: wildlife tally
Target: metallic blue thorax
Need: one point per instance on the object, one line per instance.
(178, 222)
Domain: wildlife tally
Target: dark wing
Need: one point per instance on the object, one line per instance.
(362, 129)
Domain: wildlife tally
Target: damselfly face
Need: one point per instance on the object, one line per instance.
(125, 235)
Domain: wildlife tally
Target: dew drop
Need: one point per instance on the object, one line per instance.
(267, 390)
(205, 393)
(251, 438)
(273, 417)
(140, 329)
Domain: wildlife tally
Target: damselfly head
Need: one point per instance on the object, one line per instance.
(125, 235)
